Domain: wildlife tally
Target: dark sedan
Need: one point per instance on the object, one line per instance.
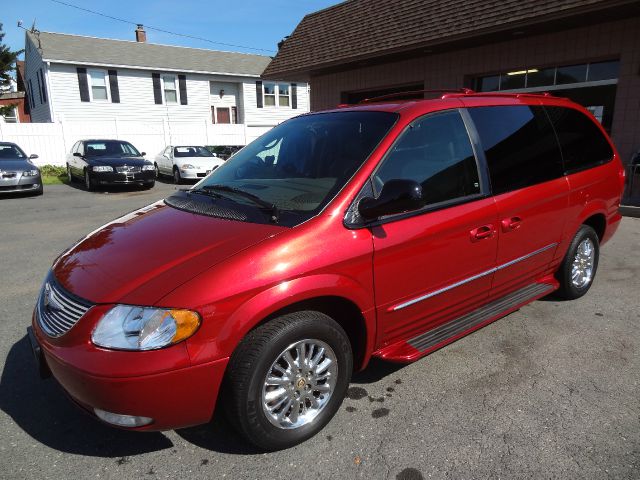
(17, 172)
(109, 162)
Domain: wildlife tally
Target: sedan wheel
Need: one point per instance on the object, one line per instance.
(69, 175)
(176, 176)
(88, 183)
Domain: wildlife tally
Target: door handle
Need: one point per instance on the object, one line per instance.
(510, 224)
(480, 233)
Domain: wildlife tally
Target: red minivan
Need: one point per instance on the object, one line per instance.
(385, 229)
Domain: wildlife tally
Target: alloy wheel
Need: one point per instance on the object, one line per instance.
(582, 265)
(299, 384)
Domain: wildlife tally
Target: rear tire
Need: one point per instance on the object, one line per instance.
(69, 174)
(263, 373)
(578, 269)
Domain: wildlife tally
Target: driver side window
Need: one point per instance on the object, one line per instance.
(436, 152)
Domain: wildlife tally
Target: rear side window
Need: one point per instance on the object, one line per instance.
(436, 152)
(520, 146)
(583, 144)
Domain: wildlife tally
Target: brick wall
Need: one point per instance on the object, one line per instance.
(448, 70)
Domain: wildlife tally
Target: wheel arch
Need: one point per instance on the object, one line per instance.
(598, 222)
(323, 293)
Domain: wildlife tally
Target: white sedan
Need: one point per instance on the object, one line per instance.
(186, 162)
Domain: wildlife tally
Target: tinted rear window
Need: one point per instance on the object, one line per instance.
(520, 146)
(583, 144)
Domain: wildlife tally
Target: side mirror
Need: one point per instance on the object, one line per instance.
(77, 154)
(142, 154)
(33, 156)
(397, 196)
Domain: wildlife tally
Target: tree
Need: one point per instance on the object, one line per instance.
(7, 65)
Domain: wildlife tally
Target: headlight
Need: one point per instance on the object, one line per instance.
(148, 167)
(30, 173)
(102, 168)
(126, 327)
(187, 166)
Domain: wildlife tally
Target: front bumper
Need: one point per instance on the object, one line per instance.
(20, 183)
(195, 174)
(115, 178)
(172, 397)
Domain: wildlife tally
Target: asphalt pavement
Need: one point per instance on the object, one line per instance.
(551, 391)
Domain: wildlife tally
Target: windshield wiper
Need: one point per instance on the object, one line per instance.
(208, 189)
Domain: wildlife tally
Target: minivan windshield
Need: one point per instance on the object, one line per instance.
(111, 148)
(301, 164)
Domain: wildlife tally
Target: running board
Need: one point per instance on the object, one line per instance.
(416, 347)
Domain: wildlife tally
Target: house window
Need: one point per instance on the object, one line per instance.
(170, 89)
(32, 101)
(284, 95)
(12, 117)
(269, 94)
(98, 82)
(276, 94)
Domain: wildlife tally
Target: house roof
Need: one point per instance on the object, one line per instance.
(362, 29)
(79, 50)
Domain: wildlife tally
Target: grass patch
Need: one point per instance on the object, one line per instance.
(53, 175)
(54, 180)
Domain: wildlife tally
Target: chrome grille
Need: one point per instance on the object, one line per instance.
(58, 310)
(127, 169)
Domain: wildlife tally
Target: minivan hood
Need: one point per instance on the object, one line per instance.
(139, 258)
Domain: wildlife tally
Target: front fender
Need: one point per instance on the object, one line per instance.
(220, 336)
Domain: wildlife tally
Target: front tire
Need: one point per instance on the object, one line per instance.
(88, 181)
(287, 379)
(69, 174)
(177, 178)
(578, 269)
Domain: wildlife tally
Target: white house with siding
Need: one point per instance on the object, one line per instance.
(72, 78)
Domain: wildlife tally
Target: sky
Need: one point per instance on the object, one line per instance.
(241, 23)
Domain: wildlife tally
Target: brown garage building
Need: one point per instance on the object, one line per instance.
(586, 50)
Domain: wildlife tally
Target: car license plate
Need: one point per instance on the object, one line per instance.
(38, 356)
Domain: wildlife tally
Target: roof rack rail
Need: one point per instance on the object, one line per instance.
(389, 96)
(514, 94)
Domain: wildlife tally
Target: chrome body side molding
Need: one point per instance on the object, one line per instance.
(426, 296)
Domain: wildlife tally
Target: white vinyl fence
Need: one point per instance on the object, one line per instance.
(52, 141)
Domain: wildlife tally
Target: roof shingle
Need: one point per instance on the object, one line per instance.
(101, 51)
(359, 29)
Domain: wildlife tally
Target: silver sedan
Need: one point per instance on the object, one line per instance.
(17, 172)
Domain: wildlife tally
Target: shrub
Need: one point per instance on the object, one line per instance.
(53, 171)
